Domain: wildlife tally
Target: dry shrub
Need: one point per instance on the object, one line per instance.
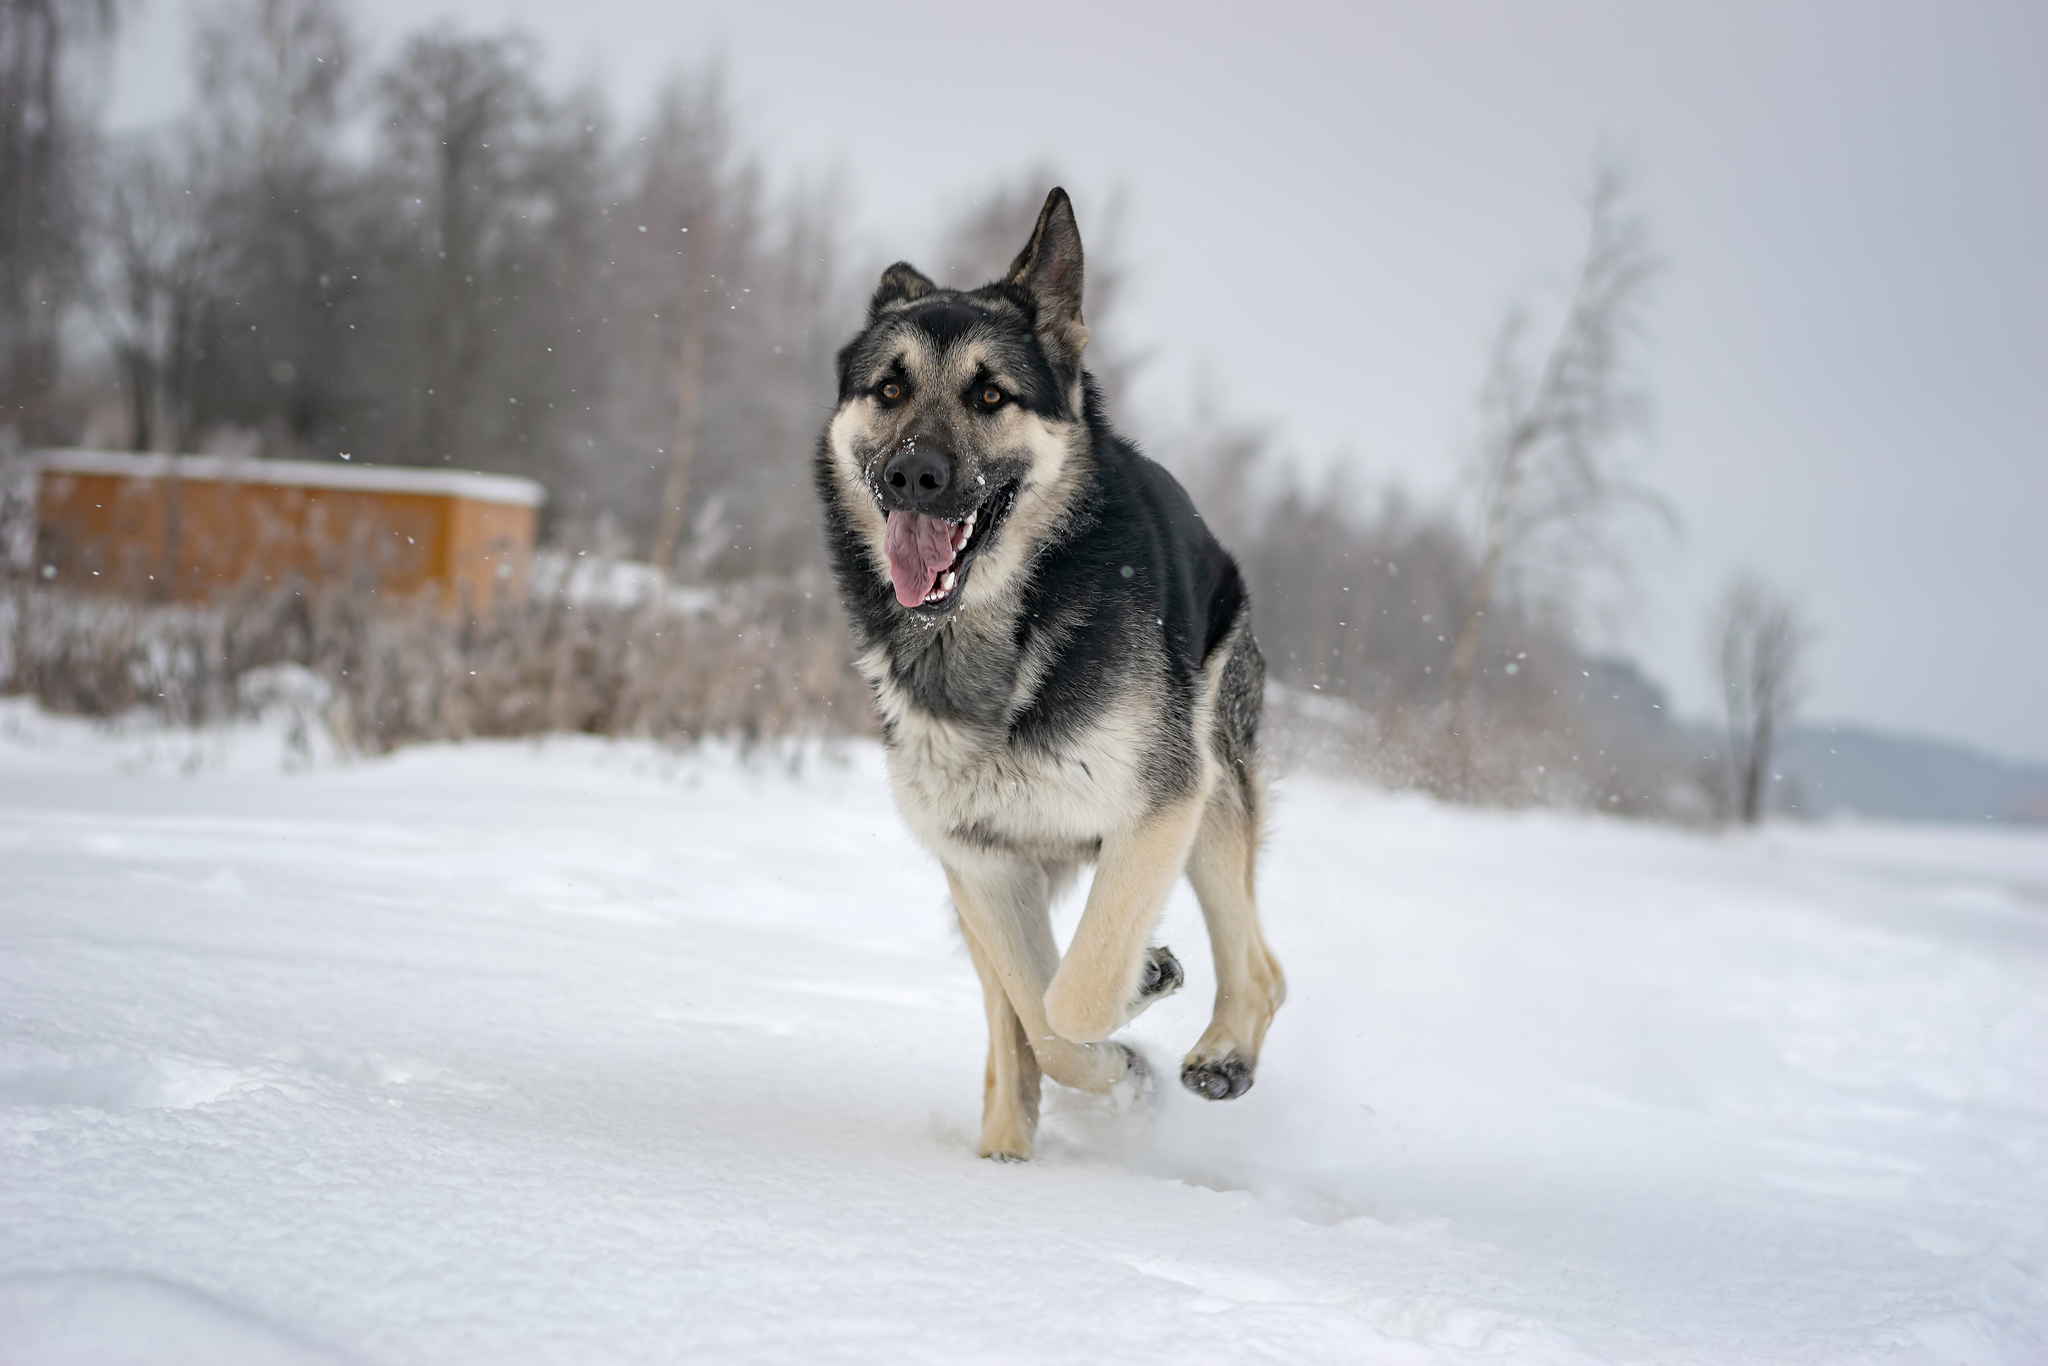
(755, 660)
(606, 650)
(1566, 750)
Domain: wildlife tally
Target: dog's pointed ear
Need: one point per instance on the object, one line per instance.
(1049, 270)
(901, 283)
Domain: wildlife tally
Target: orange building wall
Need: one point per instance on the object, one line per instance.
(119, 533)
(489, 547)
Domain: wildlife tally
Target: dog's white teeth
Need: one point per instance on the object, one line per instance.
(946, 581)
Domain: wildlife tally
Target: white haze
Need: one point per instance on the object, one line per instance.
(1329, 207)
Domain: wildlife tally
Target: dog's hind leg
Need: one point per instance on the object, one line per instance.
(1003, 906)
(1097, 988)
(1009, 1101)
(1249, 985)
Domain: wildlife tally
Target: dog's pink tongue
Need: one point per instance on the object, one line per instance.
(920, 549)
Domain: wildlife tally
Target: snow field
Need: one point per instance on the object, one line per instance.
(598, 1052)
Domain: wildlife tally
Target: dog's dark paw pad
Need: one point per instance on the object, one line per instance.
(1224, 1078)
(1162, 975)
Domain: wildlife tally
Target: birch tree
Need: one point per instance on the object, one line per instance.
(1553, 486)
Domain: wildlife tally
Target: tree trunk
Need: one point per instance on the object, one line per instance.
(696, 305)
(1499, 514)
(1753, 771)
(141, 396)
(1465, 653)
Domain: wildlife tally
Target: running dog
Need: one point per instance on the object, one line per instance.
(1063, 664)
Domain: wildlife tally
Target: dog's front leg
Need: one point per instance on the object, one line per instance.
(1009, 1093)
(1003, 909)
(1092, 994)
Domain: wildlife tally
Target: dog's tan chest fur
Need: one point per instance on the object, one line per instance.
(969, 791)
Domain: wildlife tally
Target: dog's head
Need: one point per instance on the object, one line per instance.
(959, 413)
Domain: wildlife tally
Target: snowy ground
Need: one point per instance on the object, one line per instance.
(583, 1052)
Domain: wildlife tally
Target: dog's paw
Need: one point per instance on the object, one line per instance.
(1135, 1087)
(1004, 1143)
(1224, 1078)
(1006, 1134)
(1160, 978)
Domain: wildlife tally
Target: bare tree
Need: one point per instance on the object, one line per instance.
(692, 303)
(271, 74)
(482, 276)
(41, 194)
(1762, 637)
(276, 195)
(156, 281)
(460, 113)
(1552, 484)
(750, 304)
(680, 197)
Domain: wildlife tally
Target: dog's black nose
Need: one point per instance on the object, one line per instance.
(917, 474)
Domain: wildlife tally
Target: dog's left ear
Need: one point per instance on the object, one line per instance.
(1049, 270)
(901, 283)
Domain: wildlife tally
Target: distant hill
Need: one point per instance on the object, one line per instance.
(1848, 770)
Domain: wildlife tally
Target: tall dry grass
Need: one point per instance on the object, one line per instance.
(754, 660)
(606, 648)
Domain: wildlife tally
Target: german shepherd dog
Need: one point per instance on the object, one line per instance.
(1062, 659)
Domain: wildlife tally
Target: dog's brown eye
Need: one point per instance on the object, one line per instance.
(892, 391)
(991, 396)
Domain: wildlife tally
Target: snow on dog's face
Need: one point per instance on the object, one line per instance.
(958, 412)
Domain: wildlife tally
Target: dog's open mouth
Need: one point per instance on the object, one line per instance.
(929, 556)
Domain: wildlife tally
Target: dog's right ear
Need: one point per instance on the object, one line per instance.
(901, 283)
(1049, 271)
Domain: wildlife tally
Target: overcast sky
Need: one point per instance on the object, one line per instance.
(1329, 207)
